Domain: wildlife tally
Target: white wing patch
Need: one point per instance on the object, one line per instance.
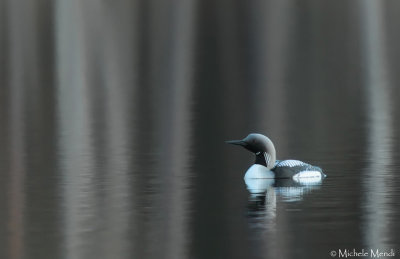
(290, 163)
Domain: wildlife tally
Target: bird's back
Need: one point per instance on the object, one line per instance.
(291, 168)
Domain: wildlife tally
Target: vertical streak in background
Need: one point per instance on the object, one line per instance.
(272, 22)
(19, 57)
(173, 61)
(271, 36)
(380, 133)
(117, 63)
(17, 174)
(3, 45)
(181, 132)
(75, 130)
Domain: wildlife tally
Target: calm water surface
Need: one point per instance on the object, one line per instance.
(112, 128)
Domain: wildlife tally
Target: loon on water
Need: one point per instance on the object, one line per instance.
(267, 167)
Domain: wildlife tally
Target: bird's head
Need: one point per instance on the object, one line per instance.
(261, 146)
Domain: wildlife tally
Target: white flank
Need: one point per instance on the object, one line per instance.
(307, 176)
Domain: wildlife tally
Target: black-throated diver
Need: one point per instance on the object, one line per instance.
(266, 166)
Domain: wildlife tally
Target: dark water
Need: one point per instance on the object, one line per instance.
(113, 117)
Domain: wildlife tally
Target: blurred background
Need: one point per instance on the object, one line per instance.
(113, 116)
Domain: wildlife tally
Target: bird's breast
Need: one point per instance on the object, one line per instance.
(257, 171)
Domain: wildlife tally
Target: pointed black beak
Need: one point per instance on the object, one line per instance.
(237, 142)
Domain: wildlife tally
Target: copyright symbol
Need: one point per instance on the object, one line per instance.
(333, 253)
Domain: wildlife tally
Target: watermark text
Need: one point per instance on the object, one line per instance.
(366, 253)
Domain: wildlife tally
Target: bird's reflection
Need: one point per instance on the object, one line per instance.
(264, 194)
